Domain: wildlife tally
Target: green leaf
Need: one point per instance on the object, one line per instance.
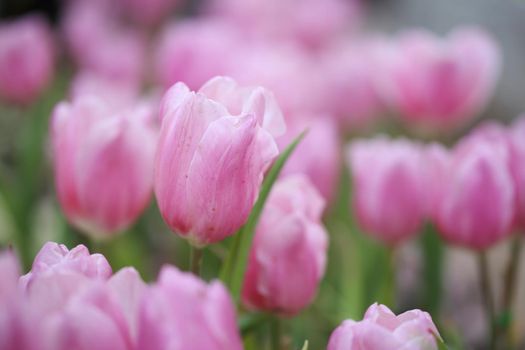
(305, 346)
(233, 269)
(442, 345)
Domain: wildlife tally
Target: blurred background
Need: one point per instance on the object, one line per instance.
(358, 266)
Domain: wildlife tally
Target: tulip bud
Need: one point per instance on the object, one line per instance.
(180, 311)
(210, 163)
(103, 165)
(441, 83)
(26, 59)
(388, 187)
(54, 257)
(288, 255)
(476, 205)
(381, 329)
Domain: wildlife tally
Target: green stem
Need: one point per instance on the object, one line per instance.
(488, 298)
(196, 260)
(276, 333)
(510, 281)
(432, 270)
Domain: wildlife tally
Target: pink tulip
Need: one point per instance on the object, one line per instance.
(103, 164)
(388, 187)
(26, 59)
(100, 45)
(320, 164)
(56, 258)
(288, 255)
(289, 72)
(348, 83)
(311, 23)
(212, 154)
(441, 83)
(194, 51)
(381, 329)
(181, 312)
(476, 205)
(517, 136)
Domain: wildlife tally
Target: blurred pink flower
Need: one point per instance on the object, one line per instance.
(288, 256)
(194, 51)
(27, 55)
(348, 79)
(310, 23)
(440, 83)
(288, 71)
(317, 156)
(381, 329)
(103, 164)
(55, 258)
(517, 136)
(475, 207)
(389, 194)
(181, 312)
(99, 44)
(214, 148)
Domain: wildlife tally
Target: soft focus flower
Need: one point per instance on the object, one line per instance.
(517, 136)
(99, 44)
(288, 255)
(441, 83)
(26, 59)
(181, 312)
(286, 70)
(54, 257)
(381, 329)
(70, 298)
(318, 154)
(388, 187)
(103, 164)
(194, 51)
(347, 85)
(475, 207)
(214, 148)
(311, 23)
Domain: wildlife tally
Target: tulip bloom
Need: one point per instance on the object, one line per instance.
(381, 329)
(101, 45)
(517, 138)
(26, 59)
(310, 23)
(103, 165)
(181, 312)
(214, 148)
(388, 187)
(348, 83)
(54, 257)
(184, 50)
(441, 83)
(288, 255)
(475, 207)
(320, 164)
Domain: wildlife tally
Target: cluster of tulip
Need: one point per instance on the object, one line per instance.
(208, 114)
